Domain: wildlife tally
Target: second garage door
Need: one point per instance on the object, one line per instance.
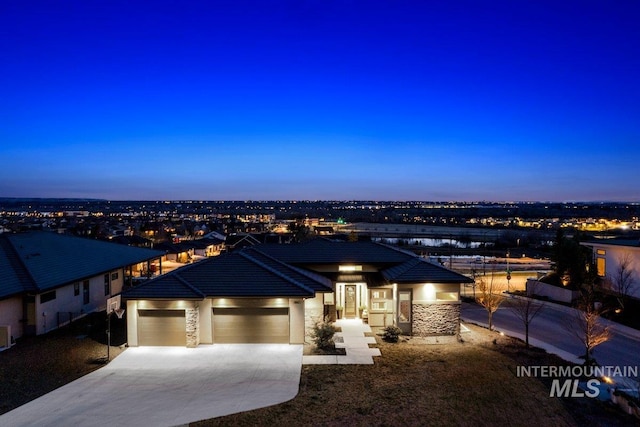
(251, 325)
(162, 327)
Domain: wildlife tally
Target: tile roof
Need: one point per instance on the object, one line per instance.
(246, 273)
(38, 261)
(418, 270)
(324, 251)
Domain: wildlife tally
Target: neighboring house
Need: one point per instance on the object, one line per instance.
(48, 279)
(612, 256)
(238, 241)
(276, 293)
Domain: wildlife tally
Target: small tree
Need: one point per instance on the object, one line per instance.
(526, 309)
(322, 335)
(490, 296)
(586, 324)
(622, 281)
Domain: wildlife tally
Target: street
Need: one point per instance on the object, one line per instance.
(547, 331)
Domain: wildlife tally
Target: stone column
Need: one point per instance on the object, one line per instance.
(193, 322)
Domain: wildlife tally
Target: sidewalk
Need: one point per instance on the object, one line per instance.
(355, 343)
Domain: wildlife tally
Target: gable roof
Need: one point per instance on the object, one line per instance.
(324, 251)
(419, 270)
(246, 273)
(39, 261)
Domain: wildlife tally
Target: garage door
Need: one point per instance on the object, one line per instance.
(251, 325)
(162, 327)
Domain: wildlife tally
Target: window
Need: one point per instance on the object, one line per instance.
(447, 296)
(601, 252)
(379, 305)
(76, 289)
(47, 296)
(114, 275)
(107, 285)
(349, 268)
(380, 300)
(380, 294)
(601, 264)
(85, 292)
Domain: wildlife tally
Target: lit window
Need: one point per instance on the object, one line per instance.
(601, 264)
(349, 268)
(601, 252)
(447, 296)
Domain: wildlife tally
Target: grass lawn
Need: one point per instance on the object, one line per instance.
(471, 383)
(462, 384)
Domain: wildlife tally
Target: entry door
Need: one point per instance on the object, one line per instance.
(404, 311)
(350, 308)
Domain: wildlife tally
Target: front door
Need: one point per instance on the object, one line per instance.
(404, 311)
(350, 307)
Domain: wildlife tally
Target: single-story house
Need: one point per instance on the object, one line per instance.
(613, 257)
(48, 279)
(276, 293)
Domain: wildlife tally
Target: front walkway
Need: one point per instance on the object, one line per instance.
(355, 343)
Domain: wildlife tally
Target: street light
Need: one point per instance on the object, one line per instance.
(508, 272)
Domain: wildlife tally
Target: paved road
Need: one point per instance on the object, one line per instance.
(547, 331)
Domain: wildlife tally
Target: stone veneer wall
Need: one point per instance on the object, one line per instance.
(435, 319)
(193, 321)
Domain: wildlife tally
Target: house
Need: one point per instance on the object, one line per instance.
(48, 279)
(276, 293)
(611, 257)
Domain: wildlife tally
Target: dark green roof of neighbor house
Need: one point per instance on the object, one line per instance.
(39, 261)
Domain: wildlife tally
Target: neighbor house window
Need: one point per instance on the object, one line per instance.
(47, 296)
(76, 289)
(85, 292)
(114, 276)
(601, 264)
(107, 285)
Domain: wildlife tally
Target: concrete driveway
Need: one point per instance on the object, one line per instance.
(169, 386)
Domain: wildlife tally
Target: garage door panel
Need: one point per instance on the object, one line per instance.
(251, 325)
(162, 328)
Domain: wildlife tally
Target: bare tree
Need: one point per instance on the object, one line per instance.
(490, 296)
(587, 325)
(622, 281)
(526, 309)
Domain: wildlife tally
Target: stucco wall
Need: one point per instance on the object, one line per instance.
(435, 319)
(10, 314)
(296, 321)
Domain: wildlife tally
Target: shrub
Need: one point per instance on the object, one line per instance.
(323, 335)
(391, 333)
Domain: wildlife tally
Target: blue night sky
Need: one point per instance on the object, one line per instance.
(320, 99)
